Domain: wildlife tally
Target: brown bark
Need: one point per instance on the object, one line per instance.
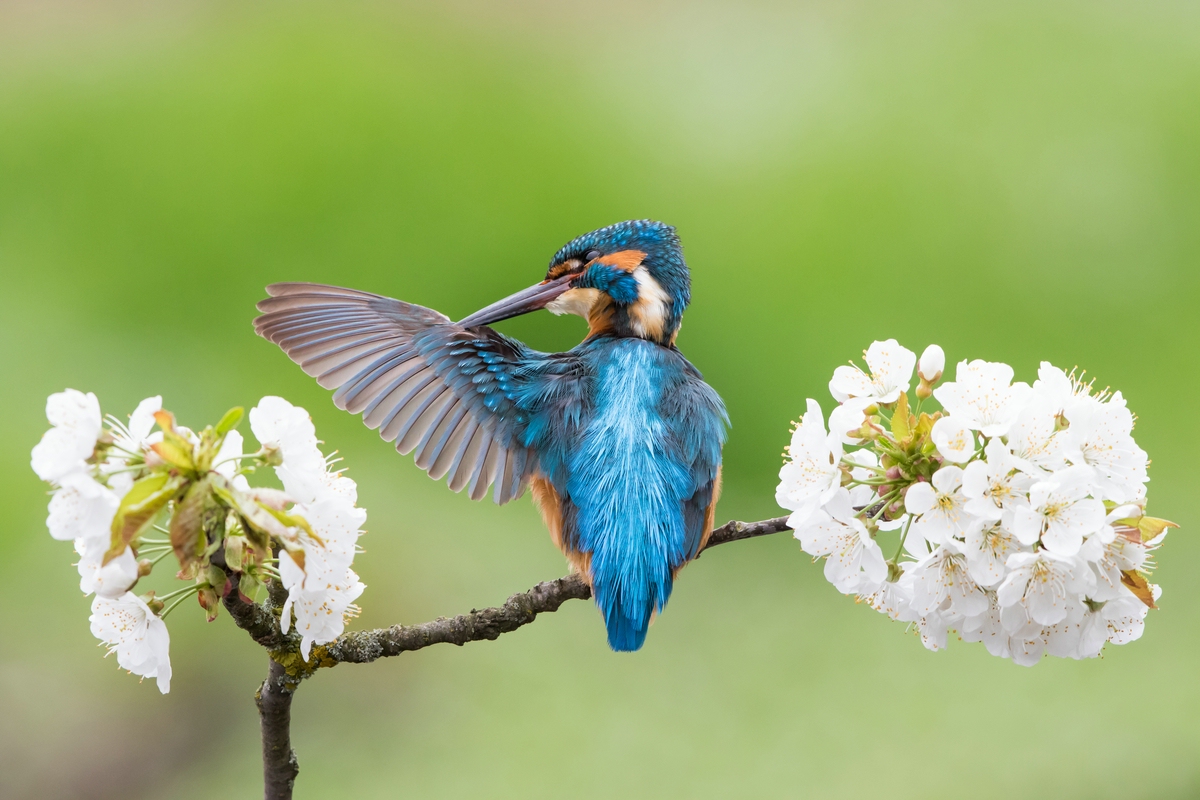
(280, 767)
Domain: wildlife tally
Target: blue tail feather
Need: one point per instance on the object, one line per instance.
(628, 618)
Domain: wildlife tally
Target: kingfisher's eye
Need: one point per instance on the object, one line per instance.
(591, 255)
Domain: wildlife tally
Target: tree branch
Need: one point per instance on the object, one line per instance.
(274, 701)
(288, 669)
(363, 647)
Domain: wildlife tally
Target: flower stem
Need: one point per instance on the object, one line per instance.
(166, 552)
(887, 501)
(850, 463)
(190, 590)
(903, 537)
(193, 588)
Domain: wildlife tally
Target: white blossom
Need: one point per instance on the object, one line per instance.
(106, 580)
(1030, 545)
(138, 637)
(935, 627)
(942, 577)
(81, 509)
(1055, 389)
(847, 418)
(130, 443)
(65, 448)
(940, 504)
(893, 598)
(1125, 618)
(227, 461)
(1060, 512)
(987, 628)
(1100, 437)
(1027, 645)
(320, 595)
(953, 439)
(320, 611)
(993, 487)
(932, 363)
(987, 547)
(1119, 620)
(983, 396)
(1109, 560)
(1045, 583)
(853, 558)
(811, 476)
(891, 369)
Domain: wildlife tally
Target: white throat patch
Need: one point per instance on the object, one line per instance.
(574, 301)
(648, 314)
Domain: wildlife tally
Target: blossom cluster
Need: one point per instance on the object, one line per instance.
(1018, 511)
(321, 585)
(128, 496)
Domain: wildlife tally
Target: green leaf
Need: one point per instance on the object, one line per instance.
(924, 426)
(174, 453)
(230, 421)
(255, 515)
(1153, 527)
(173, 449)
(248, 586)
(1143, 529)
(1136, 582)
(139, 507)
(187, 525)
(235, 552)
(900, 426)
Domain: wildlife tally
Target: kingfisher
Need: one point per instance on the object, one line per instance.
(619, 439)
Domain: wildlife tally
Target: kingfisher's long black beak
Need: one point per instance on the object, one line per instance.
(524, 301)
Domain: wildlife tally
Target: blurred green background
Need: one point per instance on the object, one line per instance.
(1016, 181)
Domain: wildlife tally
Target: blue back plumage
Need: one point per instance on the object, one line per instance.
(635, 470)
(629, 484)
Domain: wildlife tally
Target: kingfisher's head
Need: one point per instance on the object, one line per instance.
(628, 279)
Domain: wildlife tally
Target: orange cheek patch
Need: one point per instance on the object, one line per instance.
(628, 260)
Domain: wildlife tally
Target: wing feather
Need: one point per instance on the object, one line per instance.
(443, 391)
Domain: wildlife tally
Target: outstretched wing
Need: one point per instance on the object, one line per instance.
(435, 388)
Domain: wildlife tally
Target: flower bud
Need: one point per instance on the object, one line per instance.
(144, 567)
(153, 602)
(210, 601)
(271, 455)
(931, 365)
